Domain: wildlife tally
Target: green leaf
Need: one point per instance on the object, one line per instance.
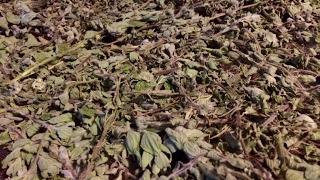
(191, 149)
(15, 167)
(146, 175)
(146, 159)
(32, 129)
(239, 163)
(136, 23)
(155, 169)
(94, 129)
(3, 23)
(64, 132)
(193, 134)
(146, 76)
(213, 64)
(63, 118)
(142, 86)
(48, 166)
(91, 34)
(162, 161)
(165, 149)
(31, 148)
(315, 136)
(4, 137)
(192, 73)
(151, 142)
(312, 172)
(21, 142)
(32, 41)
(64, 97)
(177, 138)
(306, 121)
(76, 153)
(10, 157)
(62, 48)
(294, 175)
(86, 111)
(133, 56)
(133, 141)
(12, 18)
(170, 145)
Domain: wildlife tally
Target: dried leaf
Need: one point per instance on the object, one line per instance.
(151, 142)
(146, 159)
(133, 142)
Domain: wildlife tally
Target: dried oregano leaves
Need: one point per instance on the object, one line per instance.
(159, 89)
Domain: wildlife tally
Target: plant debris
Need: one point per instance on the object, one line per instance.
(160, 89)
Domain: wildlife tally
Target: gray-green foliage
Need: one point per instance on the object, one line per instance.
(148, 149)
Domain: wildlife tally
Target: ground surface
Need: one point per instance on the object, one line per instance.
(185, 89)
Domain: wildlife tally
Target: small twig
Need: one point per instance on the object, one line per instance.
(97, 148)
(314, 88)
(185, 167)
(33, 167)
(224, 129)
(117, 92)
(155, 93)
(230, 112)
(28, 71)
(269, 120)
(33, 119)
(182, 92)
(143, 6)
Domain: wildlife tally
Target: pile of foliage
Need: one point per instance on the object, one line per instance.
(169, 89)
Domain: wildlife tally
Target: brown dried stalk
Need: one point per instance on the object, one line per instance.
(185, 167)
(97, 148)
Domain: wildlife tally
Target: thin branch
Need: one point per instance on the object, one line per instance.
(185, 167)
(97, 148)
(33, 167)
(28, 71)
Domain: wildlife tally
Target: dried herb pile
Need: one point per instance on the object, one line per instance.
(169, 89)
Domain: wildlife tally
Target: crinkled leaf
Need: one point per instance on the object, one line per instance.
(133, 141)
(146, 76)
(191, 149)
(146, 175)
(63, 118)
(155, 169)
(177, 138)
(32, 41)
(312, 172)
(86, 111)
(48, 166)
(32, 129)
(91, 34)
(239, 163)
(192, 73)
(307, 121)
(142, 86)
(162, 161)
(12, 18)
(133, 56)
(146, 159)
(10, 157)
(294, 175)
(4, 137)
(15, 167)
(64, 132)
(151, 142)
(76, 152)
(3, 23)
